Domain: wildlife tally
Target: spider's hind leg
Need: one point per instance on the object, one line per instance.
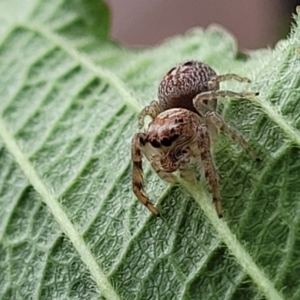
(213, 83)
(217, 120)
(221, 125)
(200, 100)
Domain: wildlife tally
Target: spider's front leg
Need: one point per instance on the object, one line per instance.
(152, 110)
(217, 120)
(205, 158)
(137, 172)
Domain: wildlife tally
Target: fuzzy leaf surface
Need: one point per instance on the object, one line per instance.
(70, 227)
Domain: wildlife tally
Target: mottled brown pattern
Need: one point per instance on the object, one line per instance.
(182, 83)
(184, 127)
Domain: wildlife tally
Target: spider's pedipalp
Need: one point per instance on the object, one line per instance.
(169, 177)
(137, 172)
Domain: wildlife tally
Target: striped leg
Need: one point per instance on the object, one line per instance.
(217, 120)
(214, 81)
(221, 125)
(137, 173)
(200, 99)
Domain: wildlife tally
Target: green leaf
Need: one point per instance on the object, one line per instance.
(70, 227)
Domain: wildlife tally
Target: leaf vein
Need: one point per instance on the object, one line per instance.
(59, 214)
(102, 73)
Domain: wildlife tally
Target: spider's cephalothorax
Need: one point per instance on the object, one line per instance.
(184, 125)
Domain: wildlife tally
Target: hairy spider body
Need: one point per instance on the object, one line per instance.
(173, 138)
(184, 126)
(183, 83)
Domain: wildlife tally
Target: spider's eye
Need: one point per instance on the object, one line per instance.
(166, 142)
(155, 144)
(174, 137)
(142, 141)
(188, 63)
(180, 120)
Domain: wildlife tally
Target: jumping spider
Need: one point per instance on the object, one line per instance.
(184, 125)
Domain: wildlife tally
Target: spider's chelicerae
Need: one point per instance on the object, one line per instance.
(184, 125)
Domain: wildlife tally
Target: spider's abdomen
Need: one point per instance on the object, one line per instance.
(182, 83)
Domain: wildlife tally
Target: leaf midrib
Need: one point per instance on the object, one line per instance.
(202, 199)
(59, 215)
